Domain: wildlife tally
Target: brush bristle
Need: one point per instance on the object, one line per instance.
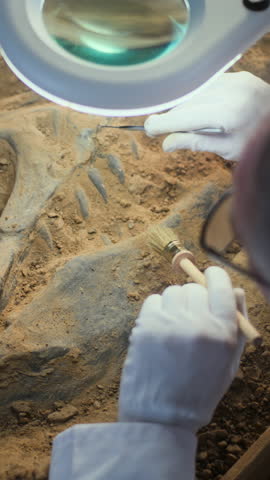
(160, 237)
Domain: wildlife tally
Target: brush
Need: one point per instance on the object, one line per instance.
(164, 242)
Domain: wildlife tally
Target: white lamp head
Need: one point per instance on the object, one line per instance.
(209, 36)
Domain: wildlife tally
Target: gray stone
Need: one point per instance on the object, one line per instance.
(63, 415)
(62, 321)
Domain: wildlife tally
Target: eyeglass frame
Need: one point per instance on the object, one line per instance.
(219, 256)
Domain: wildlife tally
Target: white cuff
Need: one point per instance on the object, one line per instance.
(124, 451)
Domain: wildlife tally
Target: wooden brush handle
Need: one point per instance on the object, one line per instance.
(197, 276)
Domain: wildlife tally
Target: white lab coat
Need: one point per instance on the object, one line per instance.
(124, 451)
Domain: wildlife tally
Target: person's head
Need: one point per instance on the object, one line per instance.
(243, 213)
(251, 201)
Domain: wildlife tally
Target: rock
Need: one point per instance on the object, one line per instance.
(234, 449)
(23, 419)
(21, 408)
(68, 321)
(133, 296)
(253, 372)
(125, 204)
(206, 474)
(220, 434)
(203, 456)
(240, 407)
(97, 404)
(4, 162)
(250, 349)
(230, 459)
(52, 215)
(63, 415)
(131, 225)
(239, 375)
(236, 439)
(77, 219)
(222, 444)
(204, 437)
(58, 405)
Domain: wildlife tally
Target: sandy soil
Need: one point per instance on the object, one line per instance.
(156, 182)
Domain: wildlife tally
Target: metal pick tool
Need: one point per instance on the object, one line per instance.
(201, 131)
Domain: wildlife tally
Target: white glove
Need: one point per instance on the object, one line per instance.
(235, 102)
(184, 353)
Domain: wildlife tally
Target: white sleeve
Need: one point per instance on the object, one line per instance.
(124, 451)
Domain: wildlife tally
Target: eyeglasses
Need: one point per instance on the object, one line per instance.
(219, 239)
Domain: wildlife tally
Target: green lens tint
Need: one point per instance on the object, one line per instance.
(118, 32)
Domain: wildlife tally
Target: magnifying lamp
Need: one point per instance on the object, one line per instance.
(126, 57)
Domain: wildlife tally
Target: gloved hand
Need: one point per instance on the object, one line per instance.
(236, 102)
(184, 353)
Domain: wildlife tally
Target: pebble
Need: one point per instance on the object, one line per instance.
(97, 404)
(234, 449)
(230, 459)
(206, 474)
(131, 225)
(239, 375)
(4, 162)
(52, 215)
(236, 439)
(21, 408)
(63, 415)
(220, 434)
(23, 419)
(125, 204)
(222, 444)
(59, 404)
(204, 437)
(133, 296)
(250, 349)
(77, 219)
(253, 372)
(203, 456)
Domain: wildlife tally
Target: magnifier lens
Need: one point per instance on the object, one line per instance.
(119, 32)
